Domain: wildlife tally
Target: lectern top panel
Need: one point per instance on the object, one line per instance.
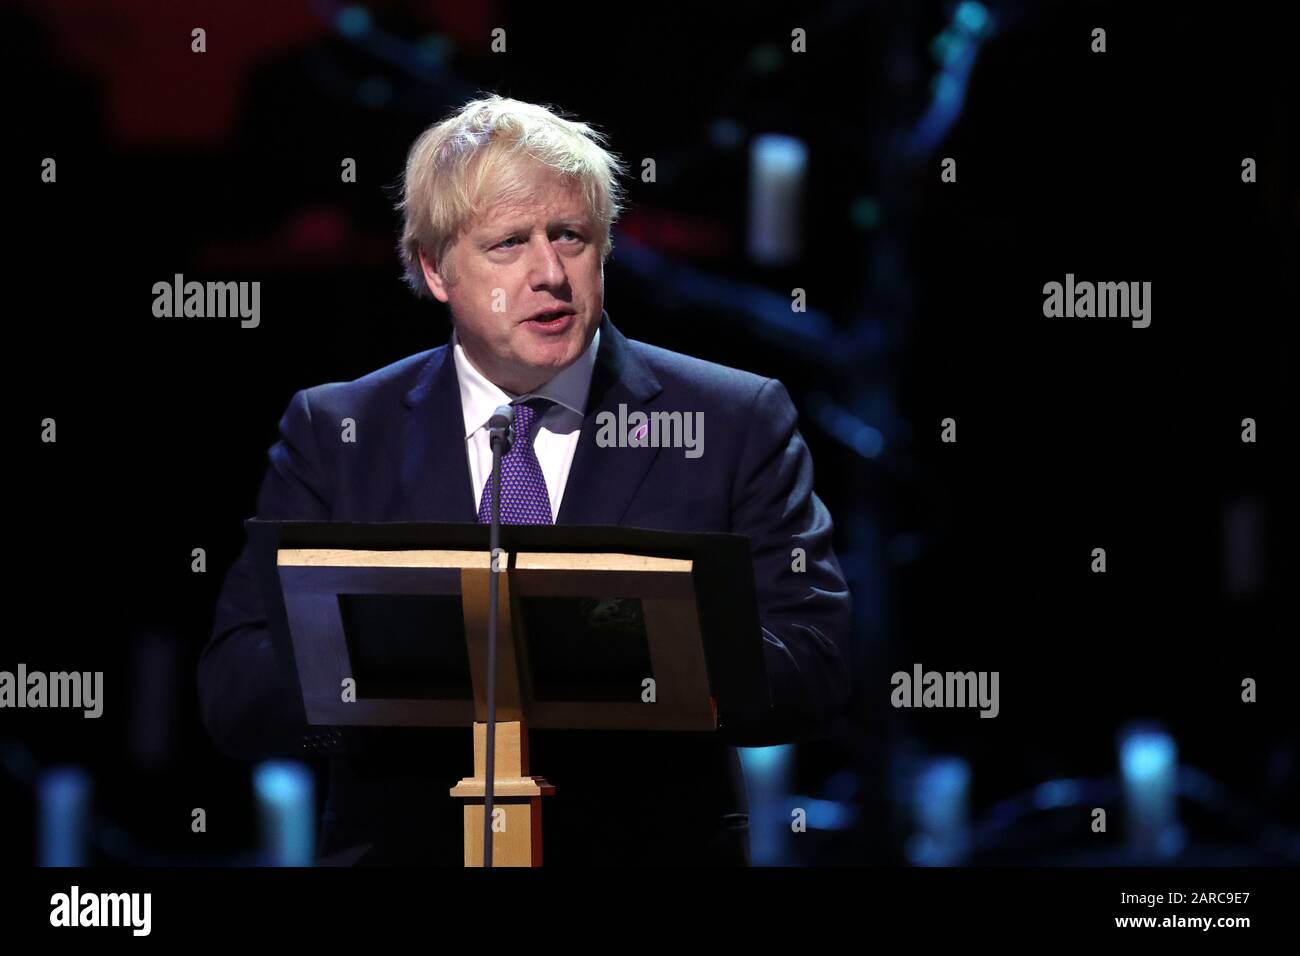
(571, 561)
(347, 558)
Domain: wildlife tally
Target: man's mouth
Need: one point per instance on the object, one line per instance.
(551, 320)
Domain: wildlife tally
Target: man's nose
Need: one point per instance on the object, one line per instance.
(545, 267)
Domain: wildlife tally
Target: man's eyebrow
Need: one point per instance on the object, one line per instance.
(509, 229)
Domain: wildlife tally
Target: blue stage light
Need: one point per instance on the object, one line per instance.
(778, 171)
(971, 16)
(939, 810)
(353, 21)
(1056, 793)
(287, 810)
(64, 797)
(1149, 767)
(767, 783)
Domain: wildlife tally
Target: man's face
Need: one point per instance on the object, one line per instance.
(538, 254)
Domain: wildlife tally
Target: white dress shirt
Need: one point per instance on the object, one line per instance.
(556, 435)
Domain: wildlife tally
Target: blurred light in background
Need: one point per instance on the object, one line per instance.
(864, 439)
(939, 813)
(826, 814)
(436, 49)
(767, 782)
(353, 22)
(286, 805)
(778, 166)
(955, 50)
(1051, 794)
(1149, 766)
(64, 796)
(865, 213)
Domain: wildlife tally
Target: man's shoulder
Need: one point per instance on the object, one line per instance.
(392, 382)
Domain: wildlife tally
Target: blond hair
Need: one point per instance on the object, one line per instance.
(457, 168)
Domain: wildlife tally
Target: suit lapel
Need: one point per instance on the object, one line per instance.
(435, 467)
(603, 481)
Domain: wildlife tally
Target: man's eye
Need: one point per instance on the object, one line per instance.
(567, 233)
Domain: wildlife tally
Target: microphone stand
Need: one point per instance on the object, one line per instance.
(500, 438)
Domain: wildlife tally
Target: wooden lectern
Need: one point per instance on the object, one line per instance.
(312, 586)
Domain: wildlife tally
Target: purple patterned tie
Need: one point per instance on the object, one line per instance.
(524, 499)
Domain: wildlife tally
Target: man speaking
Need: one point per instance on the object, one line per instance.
(508, 209)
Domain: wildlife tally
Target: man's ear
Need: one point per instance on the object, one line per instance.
(434, 279)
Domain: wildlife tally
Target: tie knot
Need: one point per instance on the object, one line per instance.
(527, 414)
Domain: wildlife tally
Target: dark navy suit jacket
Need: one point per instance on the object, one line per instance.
(645, 798)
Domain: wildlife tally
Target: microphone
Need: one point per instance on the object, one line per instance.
(501, 429)
(500, 437)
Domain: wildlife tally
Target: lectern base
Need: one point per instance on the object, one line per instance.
(517, 800)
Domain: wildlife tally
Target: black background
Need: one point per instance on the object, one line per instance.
(1072, 434)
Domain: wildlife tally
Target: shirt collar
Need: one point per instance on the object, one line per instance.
(479, 397)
